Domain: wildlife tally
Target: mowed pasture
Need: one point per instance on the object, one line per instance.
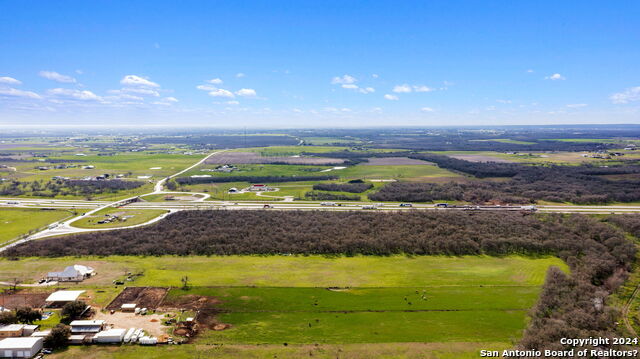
(15, 222)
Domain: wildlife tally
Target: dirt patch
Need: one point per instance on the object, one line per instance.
(256, 158)
(204, 307)
(23, 299)
(144, 297)
(395, 161)
(481, 158)
(151, 323)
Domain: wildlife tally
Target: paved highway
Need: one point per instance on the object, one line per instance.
(87, 208)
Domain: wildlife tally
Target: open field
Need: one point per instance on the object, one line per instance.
(235, 157)
(450, 350)
(125, 217)
(15, 222)
(398, 306)
(298, 271)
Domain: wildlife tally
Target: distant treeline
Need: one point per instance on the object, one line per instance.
(224, 141)
(343, 187)
(251, 179)
(326, 196)
(65, 187)
(577, 184)
(355, 157)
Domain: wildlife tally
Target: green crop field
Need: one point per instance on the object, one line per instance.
(15, 222)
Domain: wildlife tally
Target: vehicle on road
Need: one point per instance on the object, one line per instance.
(406, 205)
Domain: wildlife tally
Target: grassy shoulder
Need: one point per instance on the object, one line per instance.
(20, 221)
(117, 217)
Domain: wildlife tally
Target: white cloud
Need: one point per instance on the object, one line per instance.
(215, 81)
(422, 88)
(170, 99)
(83, 95)
(349, 86)
(577, 105)
(130, 97)
(391, 97)
(367, 90)
(221, 93)
(19, 93)
(345, 79)
(138, 91)
(375, 76)
(233, 102)
(246, 92)
(54, 76)
(240, 75)
(426, 109)
(631, 94)
(206, 87)
(555, 77)
(10, 80)
(402, 88)
(529, 71)
(133, 80)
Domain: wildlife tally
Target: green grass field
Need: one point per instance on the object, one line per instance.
(397, 306)
(301, 271)
(15, 222)
(135, 216)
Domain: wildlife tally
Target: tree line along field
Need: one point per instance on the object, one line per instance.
(15, 222)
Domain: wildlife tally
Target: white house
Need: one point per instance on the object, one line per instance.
(24, 347)
(74, 273)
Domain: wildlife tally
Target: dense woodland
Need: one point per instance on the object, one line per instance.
(582, 184)
(343, 187)
(251, 179)
(571, 305)
(65, 187)
(327, 196)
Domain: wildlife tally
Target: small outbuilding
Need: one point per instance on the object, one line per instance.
(86, 326)
(128, 307)
(110, 336)
(25, 347)
(11, 330)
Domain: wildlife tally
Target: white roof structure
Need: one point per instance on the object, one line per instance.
(19, 343)
(12, 327)
(129, 306)
(43, 333)
(86, 322)
(64, 296)
(73, 271)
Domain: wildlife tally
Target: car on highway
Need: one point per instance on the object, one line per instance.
(406, 205)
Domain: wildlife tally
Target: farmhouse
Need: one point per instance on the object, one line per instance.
(259, 187)
(86, 326)
(61, 297)
(20, 347)
(74, 273)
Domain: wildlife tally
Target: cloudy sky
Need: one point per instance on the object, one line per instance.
(319, 63)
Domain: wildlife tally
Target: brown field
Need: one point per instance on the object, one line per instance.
(480, 158)
(144, 297)
(23, 299)
(256, 158)
(395, 161)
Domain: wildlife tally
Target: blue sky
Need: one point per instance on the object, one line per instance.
(319, 63)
